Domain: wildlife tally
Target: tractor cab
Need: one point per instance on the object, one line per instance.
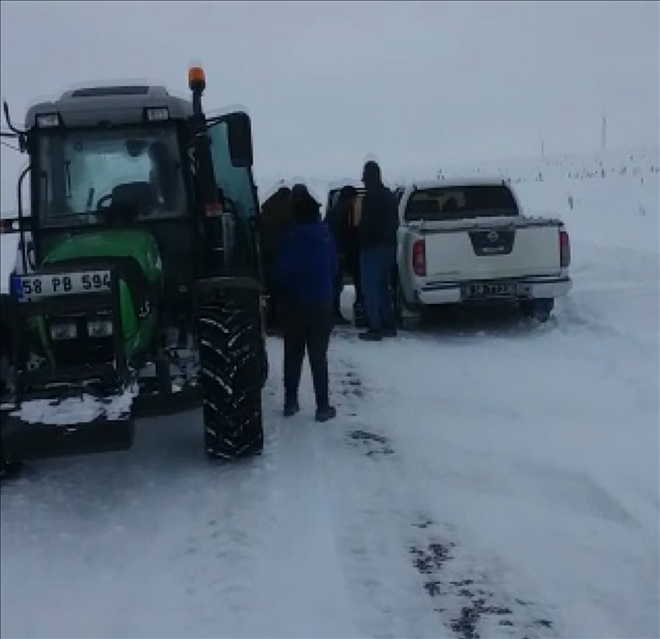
(111, 165)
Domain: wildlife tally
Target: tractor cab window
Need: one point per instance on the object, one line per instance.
(238, 194)
(90, 176)
(234, 181)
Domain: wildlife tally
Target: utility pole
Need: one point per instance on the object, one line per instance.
(603, 135)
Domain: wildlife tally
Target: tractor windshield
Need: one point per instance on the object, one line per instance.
(85, 174)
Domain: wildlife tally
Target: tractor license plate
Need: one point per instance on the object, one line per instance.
(27, 288)
(487, 290)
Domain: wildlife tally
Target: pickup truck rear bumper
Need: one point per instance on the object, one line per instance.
(532, 288)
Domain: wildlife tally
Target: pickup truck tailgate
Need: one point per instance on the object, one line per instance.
(492, 250)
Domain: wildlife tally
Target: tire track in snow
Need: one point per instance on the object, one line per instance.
(367, 515)
(466, 600)
(225, 541)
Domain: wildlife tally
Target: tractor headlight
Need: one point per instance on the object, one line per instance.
(99, 328)
(63, 330)
(48, 120)
(157, 114)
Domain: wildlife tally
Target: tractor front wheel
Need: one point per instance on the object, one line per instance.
(232, 369)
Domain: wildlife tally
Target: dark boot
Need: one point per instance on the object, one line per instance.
(291, 407)
(294, 353)
(371, 336)
(325, 413)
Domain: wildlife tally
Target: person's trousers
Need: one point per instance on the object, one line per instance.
(377, 264)
(307, 327)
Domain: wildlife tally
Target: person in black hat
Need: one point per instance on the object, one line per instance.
(378, 227)
(300, 196)
(305, 270)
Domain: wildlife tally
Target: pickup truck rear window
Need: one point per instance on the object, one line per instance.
(459, 203)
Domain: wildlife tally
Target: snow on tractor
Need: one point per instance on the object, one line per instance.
(137, 289)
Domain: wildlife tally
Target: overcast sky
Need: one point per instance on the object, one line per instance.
(417, 84)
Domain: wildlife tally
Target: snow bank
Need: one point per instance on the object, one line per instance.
(618, 191)
(608, 199)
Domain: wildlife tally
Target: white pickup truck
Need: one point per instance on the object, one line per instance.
(467, 241)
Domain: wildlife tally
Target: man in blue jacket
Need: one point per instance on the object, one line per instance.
(305, 270)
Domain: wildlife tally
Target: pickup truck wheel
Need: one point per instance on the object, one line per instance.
(232, 366)
(407, 318)
(539, 309)
(409, 323)
(526, 308)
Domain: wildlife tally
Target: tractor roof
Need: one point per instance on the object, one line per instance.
(93, 106)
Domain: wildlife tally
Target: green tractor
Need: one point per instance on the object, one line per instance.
(138, 283)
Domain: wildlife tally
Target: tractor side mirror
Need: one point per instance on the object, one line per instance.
(239, 131)
(15, 133)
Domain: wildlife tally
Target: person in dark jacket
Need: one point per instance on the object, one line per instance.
(305, 270)
(378, 227)
(338, 219)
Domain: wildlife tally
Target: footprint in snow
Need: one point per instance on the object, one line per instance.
(375, 444)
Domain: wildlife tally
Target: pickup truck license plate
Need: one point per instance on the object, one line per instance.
(487, 290)
(27, 288)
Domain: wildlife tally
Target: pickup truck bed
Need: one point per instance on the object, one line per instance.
(467, 241)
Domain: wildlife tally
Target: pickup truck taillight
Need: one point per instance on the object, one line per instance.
(564, 249)
(419, 258)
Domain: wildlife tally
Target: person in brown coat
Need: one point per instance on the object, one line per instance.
(276, 218)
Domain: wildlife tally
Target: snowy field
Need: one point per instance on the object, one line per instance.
(486, 476)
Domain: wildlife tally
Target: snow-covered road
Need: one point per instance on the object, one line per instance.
(485, 477)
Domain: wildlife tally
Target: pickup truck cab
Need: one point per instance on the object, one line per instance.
(467, 241)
